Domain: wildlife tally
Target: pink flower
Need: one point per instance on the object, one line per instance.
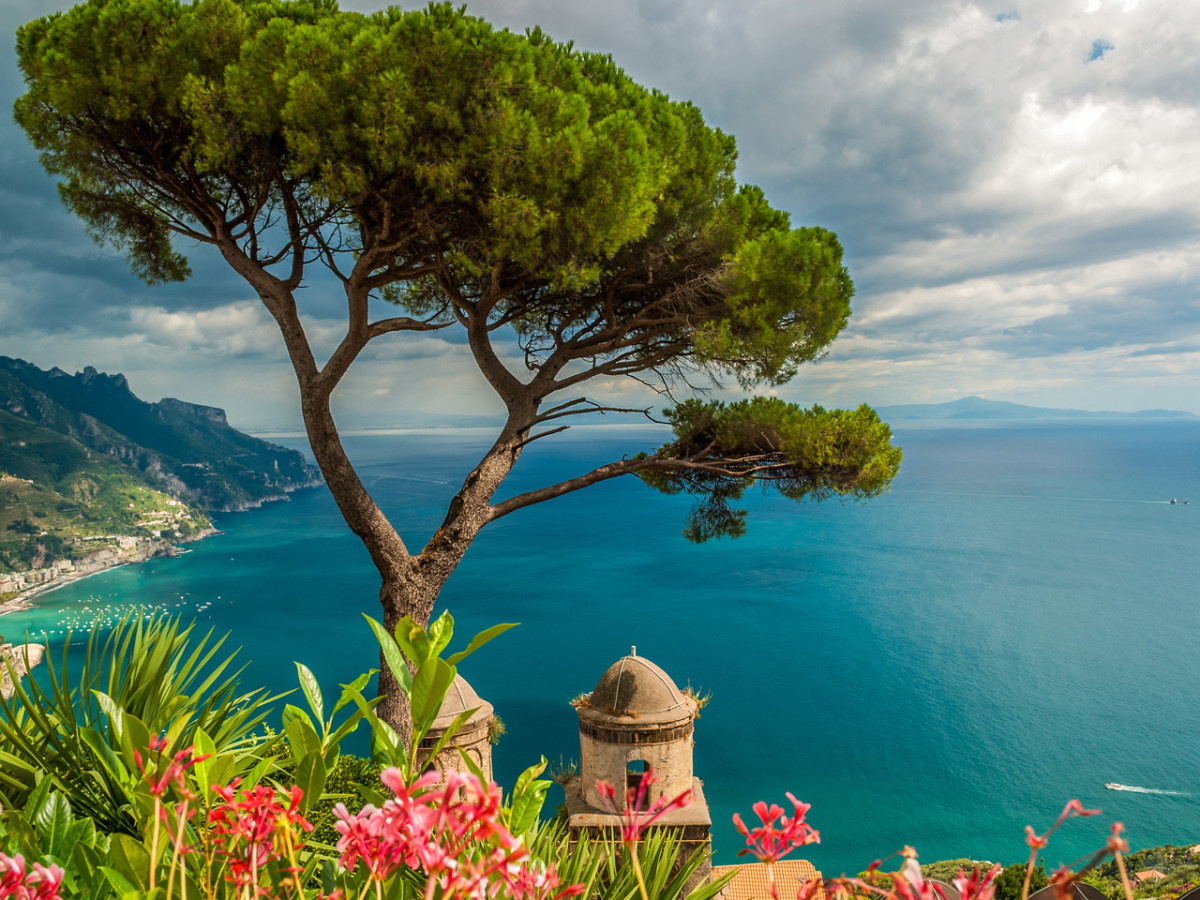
(161, 776)
(769, 842)
(452, 832)
(17, 883)
(249, 827)
(1063, 880)
(1073, 809)
(1116, 843)
(637, 816)
(976, 886)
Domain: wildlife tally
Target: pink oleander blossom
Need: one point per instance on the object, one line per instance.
(1073, 809)
(250, 827)
(452, 832)
(637, 814)
(17, 883)
(166, 771)
(977, 885)
(768, 842)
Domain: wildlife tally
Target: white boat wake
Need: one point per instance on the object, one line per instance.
(1113, 786)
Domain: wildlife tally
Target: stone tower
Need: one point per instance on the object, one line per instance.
(473, 737)
(637, 721)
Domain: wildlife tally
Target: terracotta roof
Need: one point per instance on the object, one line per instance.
(750, 881)
(1149, 875)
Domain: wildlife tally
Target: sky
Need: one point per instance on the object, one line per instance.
(1015, 184)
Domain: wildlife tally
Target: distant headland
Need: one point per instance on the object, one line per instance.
(92, 477)
(979, 409)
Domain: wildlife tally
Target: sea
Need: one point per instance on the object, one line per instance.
(1014, 625)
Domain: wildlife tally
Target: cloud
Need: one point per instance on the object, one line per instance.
(1015, 187)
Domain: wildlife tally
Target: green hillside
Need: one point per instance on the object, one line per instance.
(182, 448)
(60, 500)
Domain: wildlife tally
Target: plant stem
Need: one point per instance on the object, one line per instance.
(637, 870)
(1029, 875)
(1124, 877)
(154, 842)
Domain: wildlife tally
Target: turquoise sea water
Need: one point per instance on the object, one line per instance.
(1015, 624)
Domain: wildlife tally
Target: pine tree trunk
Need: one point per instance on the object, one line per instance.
(400, 598)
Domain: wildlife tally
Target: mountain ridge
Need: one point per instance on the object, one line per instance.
(975, 408)
(183, 448)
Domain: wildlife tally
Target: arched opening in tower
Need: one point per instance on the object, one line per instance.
(635, 771)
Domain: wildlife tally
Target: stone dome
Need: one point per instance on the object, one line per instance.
(639, 692)
(461, 696)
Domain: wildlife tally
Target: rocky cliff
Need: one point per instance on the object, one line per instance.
(182, 448)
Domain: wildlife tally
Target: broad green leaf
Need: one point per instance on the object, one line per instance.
(83, 831)
(131, 859)
(301, 736)
(53, 822)
(310, 778)
(429, 687)
(122, 885)
(221, 770)
(113, 711)
(37, 798)
(353, 687)
(99, 746)
(204, 750)
(392, 655)
(413, 640)
(441, 631)
(312, 693)
(346, 728)
(528, 798)
(479, 640)
(449, 734)
(134, 736)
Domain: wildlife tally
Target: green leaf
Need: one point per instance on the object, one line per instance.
(204, 750)
(449, 734)
(354, 687)
(479, 640)
(131, 860)
(53, 822)
(429, 687)
(301, 736)
(312, 692)
(441, 631)
(83, 831)
(112, 710)
(134, 736)
(109, 760)
(37, 798)
(119, 882)
(528, 798)
(310, 778)
(392, 655)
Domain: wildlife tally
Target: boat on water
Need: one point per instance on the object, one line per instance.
(1175, 502)
(1113, 786)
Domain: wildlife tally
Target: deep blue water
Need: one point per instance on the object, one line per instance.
(1015, 624)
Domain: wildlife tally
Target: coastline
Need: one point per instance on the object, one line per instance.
(155, 550)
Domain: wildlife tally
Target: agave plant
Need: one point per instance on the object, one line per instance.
(148, 676)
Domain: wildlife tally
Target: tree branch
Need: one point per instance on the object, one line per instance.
(602, 473)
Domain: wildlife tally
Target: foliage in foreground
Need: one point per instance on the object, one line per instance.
(189, 822)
